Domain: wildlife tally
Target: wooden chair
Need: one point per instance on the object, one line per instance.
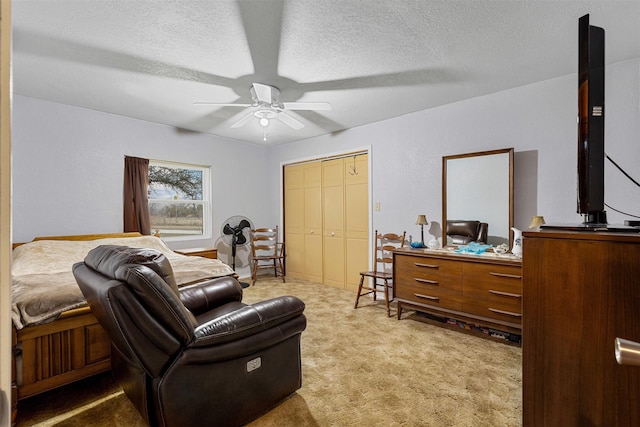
(267, 251)
(381, 274)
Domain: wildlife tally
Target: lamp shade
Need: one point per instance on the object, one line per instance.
(422, 220)
(536, 221)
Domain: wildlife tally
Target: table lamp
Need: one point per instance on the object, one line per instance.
(422, 221)
(536, 221)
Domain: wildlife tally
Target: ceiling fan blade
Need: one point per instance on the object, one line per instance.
(77, 52)
(243, 120)
(262, 22)
(290, 121)
(217, 104)
(244, 224)
(319, 106)
(263, 93)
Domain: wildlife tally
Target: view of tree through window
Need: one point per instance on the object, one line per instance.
(177, 207)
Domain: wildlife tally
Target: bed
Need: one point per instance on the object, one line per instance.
(56, 339)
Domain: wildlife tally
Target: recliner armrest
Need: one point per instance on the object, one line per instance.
(248, 320)
(203, 296)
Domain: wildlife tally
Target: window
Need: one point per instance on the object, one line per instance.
(179, 200)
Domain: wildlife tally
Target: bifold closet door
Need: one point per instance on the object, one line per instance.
(356, 203)
(313, 222)
(303, 221)
(326, 220)
(294, 220)
(333, 213)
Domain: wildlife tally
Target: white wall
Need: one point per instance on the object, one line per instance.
(538, 120)
(68, 167)
(68, 162)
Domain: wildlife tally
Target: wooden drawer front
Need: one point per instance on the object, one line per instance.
(429, 281)
(432, 272)
(430, 295)
(493, 291)
(492, 282)
(504, 310)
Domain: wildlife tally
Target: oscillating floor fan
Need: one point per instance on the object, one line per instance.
(236, 231)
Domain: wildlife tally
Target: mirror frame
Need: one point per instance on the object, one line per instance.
(446, 159)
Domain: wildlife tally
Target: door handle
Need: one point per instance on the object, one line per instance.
(627, 352)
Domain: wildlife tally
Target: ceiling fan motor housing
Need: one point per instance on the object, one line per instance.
(265, 95)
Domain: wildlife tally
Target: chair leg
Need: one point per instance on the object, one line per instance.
(386, 297)
(375, 289)
(254, 273)
(281, 270)
(359, 291)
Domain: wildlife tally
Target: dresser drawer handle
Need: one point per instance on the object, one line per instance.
(427, 297)
(508, 313)
(504, 294)
(419, 264)
(510, 276)
(430, 282)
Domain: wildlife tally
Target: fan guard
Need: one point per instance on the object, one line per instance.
(236, 231)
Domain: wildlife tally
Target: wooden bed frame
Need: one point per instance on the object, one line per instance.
(54, 354)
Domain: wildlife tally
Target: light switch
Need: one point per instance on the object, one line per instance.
(377, 207)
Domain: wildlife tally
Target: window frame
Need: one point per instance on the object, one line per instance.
(207, 220)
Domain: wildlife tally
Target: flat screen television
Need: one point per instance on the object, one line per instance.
(591, 154)
(591, 111)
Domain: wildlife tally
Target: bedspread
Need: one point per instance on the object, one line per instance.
(43, 286)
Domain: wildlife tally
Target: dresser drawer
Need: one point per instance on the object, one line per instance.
(493, 291)
(430, 294)
(488, 281)
(431, 272)
(506, 310)
(485, 291)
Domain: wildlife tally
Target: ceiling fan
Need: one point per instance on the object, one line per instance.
(266, 105)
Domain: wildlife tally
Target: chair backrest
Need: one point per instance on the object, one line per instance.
(385, 245)
(463, 232)
(133, 295)
(264, 242)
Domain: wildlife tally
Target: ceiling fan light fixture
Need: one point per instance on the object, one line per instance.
(266, 105)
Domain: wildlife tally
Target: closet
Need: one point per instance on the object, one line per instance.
(326, 220)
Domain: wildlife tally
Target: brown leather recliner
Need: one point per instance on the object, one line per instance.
(195, 355)
(463, 232)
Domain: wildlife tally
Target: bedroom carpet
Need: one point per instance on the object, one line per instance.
(359, 368)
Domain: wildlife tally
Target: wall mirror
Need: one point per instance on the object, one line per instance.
(479, 186)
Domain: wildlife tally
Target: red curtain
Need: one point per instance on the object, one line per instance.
(136, 198)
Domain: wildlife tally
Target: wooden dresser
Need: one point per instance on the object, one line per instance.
(581, 291)
(211, 253)
(480, 289)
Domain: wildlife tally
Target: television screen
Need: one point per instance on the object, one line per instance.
(591, 112)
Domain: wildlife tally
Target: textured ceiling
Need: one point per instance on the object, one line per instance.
(370, 59)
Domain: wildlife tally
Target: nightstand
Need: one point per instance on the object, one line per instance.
(211, 253)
